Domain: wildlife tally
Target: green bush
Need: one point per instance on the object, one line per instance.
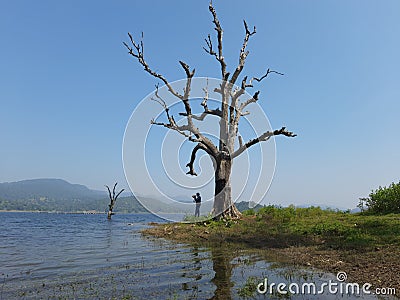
(330, 229)
(384, 200)
(249, 212)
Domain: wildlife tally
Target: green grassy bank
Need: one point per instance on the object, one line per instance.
(367, 247)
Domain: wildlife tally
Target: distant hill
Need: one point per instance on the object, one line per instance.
(46, 188)
(244, 205)
(62, 196)
(59, 195)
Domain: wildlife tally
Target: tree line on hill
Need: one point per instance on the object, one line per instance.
(124, 205)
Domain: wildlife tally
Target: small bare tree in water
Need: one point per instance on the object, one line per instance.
(229, 112)
(113, 199)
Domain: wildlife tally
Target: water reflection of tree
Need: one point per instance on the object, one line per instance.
(196, 260)
(221, 257)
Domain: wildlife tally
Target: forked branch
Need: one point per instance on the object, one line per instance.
(161, 101)
(242, 106)
(235, 111)
(184, 130)
(246, 84)
(188, 130)
(137, 51)
(243, 53)
(262, 138)
(216, 112)
(113, 197)
(250, 84)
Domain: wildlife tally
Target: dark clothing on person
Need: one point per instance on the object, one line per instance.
(197, 200)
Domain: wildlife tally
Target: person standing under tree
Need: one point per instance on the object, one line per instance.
(197, 200)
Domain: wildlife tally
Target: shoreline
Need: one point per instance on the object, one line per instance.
(377, 265)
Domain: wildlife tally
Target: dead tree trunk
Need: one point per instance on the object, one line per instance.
(113, 198)
(223, 205)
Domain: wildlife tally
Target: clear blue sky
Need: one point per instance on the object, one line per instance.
(68, 87)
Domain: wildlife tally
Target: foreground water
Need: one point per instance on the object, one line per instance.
(75, 256)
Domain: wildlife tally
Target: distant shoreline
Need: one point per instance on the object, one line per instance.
(52, 212)
(67, 212)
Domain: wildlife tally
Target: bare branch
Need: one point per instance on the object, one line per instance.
(240, 141)
(236, 94)
(119, 194)
(109, 191)
(210, 50)
(189, 74)
(242, 89)
(248, 33)
(250, 84)
(215, 112)
(243, 53)
(193, 131)
(234, 119)
(180, 129)
(246, 84)
(137, 51)
(190, 132)
(207, 111)
(205, 98)
(194, 134)
(185, 99)
(161, 101)
(248, 101)
(237, 112)
(193, 158)
(115, 185)
(262, 138)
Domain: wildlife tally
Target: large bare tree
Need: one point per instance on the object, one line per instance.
(229, 112)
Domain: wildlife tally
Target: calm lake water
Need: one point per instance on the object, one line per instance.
(74, 256)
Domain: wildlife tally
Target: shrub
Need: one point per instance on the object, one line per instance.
(384, 200)
(249, 212)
